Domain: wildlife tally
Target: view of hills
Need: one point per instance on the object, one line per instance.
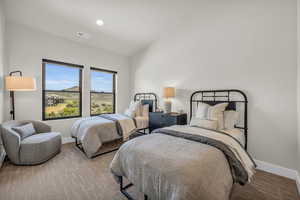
(76, 89)
(65, 103)
(72, 89)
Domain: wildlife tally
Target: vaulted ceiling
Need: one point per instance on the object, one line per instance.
(129, 25)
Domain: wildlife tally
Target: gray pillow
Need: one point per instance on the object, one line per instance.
(25, 130)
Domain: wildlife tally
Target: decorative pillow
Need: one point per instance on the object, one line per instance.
(202, 109)
(204, 123)
(25, 130)
(134, 109)
(145, 110)
(231, 118)
(216, 112)
(129, 113)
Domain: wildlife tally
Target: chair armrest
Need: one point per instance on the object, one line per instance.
(11, 141)
(40, 127)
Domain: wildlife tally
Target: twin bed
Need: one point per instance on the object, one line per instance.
(91, 133)
(201, 160)
(189, 162)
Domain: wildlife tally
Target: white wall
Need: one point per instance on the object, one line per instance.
(2, 41)
(2, 63)
(27, 48)
(298, 80)
(247, 45)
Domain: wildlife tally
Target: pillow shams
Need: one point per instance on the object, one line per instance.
(129, 113)
(216, 112)
(202, 110)
(145, 110)
(231, 118)
(25, 130)
(134, 109)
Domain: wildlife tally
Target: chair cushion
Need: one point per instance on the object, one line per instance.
(25, 130)
(40, 147)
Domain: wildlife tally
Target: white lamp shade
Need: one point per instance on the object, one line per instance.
(20, 83)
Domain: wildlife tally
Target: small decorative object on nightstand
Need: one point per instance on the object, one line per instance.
(160, 120)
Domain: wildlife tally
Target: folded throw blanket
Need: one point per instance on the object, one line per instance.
(241, 164)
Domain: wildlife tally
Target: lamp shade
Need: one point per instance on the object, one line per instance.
(20, 83)
(169, 92)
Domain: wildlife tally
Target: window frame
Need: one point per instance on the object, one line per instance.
(44, 91)
(114, 73)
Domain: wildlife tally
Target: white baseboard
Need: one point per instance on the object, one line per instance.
(280, 171)
(66, 140)
(298, 183)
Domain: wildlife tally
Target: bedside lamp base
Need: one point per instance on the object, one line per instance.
(168, 106)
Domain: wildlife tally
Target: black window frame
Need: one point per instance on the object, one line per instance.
(80, 67)
(113, 89)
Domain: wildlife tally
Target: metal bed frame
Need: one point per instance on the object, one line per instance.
(148, 97)
(137, 97)
(124, 188)
(211, 97)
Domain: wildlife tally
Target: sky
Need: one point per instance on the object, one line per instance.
(101, 81)
(60, 77)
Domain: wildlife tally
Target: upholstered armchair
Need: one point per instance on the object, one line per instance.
(31, 150)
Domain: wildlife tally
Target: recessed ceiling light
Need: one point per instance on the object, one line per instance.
(100, 22)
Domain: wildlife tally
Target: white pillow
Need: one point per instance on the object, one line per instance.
(129, 113)
(202, 109)
(204, 123)
(216, 112)
(231, 118)
(134, 109)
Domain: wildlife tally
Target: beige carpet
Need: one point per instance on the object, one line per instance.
(71, 176)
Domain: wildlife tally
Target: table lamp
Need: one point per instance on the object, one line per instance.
(18, 83)
(169, 92)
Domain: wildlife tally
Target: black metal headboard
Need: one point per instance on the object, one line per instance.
(147, 98)
(232, 97)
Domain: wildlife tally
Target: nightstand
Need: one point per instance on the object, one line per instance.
(160, 120)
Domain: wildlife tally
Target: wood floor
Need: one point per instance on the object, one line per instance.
(71, 176)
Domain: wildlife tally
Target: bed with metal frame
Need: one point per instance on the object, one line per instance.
(144, 98)
(211, 97)
(233, 97)
(151, 100)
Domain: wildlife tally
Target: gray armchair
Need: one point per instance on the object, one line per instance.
(34, 149)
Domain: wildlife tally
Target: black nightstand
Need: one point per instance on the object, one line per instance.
(160, 120)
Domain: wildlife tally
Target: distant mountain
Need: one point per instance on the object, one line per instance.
(74, 88)
(97, 91)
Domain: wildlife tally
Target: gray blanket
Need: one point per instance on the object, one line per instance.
(168, 165)
(239, 173)
(118, 125)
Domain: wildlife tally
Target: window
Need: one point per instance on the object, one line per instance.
(61, 90)
(102, 95)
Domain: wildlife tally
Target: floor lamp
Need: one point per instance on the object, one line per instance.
(19, 82)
